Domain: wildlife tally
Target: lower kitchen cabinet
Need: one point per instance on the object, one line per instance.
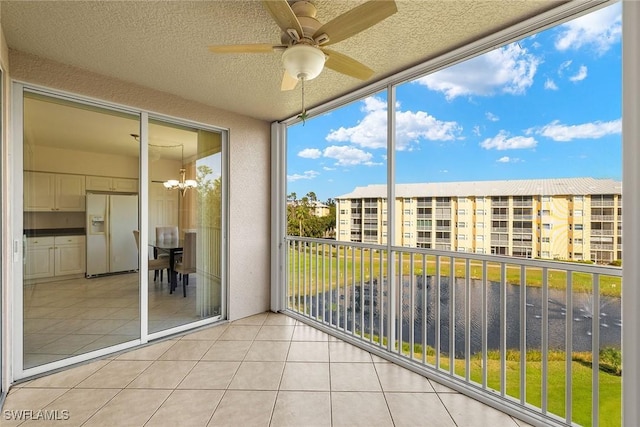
(54, 256)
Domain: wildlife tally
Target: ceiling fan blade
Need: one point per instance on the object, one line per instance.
(288, 82)
(357, 19)
(346, 65)
(243, 48)
(283, 15)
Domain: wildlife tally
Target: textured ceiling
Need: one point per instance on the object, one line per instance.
(163, 44)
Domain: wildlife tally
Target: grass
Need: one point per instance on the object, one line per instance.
(610, 384)
(353, 265)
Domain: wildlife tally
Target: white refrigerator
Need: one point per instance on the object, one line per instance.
(111, 246)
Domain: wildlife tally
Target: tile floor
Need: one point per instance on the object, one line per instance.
(74, 316)
(265, 370)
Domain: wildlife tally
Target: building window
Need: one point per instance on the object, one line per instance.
(343, 211)
(408, 235)
(578, 199)
(546, 254)
(462, 250)
(546, 240)
(577, 241)
(342, 232)
(578, 227)
(407, 200)
(546, 198)
(462, 211)
(407, 211)
(577, 212)
(462, 237)
(343, 222)
(479, 224)
(479, 250)
(479, 211)
(407, 223)
(480, 238)
(461, 224)
(547, 226)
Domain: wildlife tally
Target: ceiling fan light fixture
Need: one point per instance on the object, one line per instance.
(303, 61)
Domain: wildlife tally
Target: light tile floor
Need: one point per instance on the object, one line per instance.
(74, 316)
(264, 370)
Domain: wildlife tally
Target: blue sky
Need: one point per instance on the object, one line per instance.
(547, 106)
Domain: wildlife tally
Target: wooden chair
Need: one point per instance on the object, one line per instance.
(157, 265)
(188, 263)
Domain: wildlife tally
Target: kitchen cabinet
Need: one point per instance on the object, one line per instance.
(54, 256)
(46, 192)
(39, 257)
(105, 183)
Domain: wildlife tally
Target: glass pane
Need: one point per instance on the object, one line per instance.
(185, 222)
(331, 159)
(81, 286)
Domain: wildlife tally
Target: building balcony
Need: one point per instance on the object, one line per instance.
(499, 216)
(282, 372)
(601, 232)
(407, 320)
(523, 217)
(602, 217)
(602, 203)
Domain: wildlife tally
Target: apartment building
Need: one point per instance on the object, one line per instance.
(569, 218)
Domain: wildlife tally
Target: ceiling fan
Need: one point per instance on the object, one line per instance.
(304, 38)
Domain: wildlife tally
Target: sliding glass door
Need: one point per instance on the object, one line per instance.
(80, 290)
(96, 278)
(185, 220)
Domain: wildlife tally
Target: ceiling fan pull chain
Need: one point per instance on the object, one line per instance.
(303, 116)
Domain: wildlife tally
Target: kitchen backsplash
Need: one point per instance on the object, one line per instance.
(53, 220)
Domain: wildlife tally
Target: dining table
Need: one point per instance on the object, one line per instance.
(172, 248)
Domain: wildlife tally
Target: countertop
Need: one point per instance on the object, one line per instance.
(44, 232)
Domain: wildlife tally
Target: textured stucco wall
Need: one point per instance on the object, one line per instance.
(249, 158)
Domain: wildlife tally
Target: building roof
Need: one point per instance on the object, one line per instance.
(523, 187)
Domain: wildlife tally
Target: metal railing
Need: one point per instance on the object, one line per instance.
(533, 338)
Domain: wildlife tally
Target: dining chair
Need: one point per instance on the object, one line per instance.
(165, 233)
(188, 263)
(156, 265)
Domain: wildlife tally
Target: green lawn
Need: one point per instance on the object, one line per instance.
(610, 388)
(357, 265)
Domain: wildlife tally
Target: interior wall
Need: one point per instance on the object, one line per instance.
(59, 160)
(249, 154)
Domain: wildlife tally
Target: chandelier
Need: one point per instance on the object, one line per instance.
(183, 184)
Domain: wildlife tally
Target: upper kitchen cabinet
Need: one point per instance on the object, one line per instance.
(46, 192)
(105, 183)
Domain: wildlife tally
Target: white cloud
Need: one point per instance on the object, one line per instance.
(509, 69)
(599, 30)
(348, 156)
(580, 75)
(310, 153)
(559, 132)
(550, 85)
(507, 159)
(491, 117)
(327, 168)
(476, 130)
(371, 131)
(564, 66)
(306, 175)
(502, 141)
